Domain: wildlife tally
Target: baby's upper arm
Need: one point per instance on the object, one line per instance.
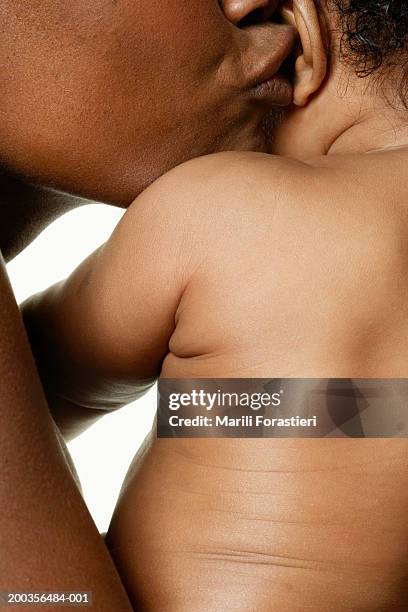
(117, 311)
(182, 223)
(121, 302)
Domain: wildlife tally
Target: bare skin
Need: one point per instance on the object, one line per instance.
(101, 98)
(248, 265)
(98, 100)
(311, 513)
(41, 504)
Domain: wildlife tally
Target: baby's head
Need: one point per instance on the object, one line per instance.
(352, 57)
(374, 40)
(371, 36)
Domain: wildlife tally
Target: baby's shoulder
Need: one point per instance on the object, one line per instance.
(210, 192)
(318, 209)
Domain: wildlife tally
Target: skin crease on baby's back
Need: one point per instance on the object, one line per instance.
(296, 274)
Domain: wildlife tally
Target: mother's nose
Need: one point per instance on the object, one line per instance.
(238, 10)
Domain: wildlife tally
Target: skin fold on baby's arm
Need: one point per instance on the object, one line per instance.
(184, 289)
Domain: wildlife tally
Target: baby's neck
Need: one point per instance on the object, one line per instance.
(342, 120)
(386, 131)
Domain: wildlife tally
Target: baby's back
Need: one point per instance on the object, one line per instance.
(312, 282)
(307, 285)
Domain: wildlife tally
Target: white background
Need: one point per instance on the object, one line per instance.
(101, 454)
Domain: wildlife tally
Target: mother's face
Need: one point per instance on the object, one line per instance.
(100, 97)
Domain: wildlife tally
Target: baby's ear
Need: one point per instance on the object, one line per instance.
(311, 62)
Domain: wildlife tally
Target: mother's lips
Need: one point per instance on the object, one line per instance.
(276, 91)
(267, 83)
(271, 46)
(254, 71)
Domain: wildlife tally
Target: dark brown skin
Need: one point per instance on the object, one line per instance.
(100, 98)
(47, 538)
(97, 100)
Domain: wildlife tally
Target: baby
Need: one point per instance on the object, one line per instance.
(244, 265)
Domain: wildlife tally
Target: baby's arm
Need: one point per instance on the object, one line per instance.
(99, 337)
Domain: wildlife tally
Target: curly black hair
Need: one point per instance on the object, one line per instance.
(375, 38)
